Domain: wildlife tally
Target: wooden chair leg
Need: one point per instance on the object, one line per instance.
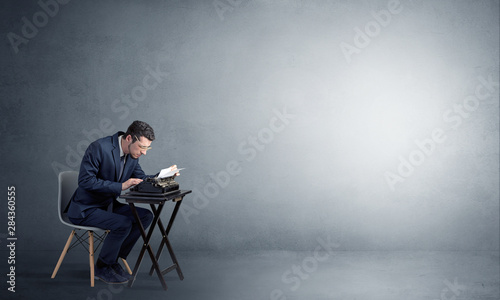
(127, 266)
(91, 257)
(63, 253)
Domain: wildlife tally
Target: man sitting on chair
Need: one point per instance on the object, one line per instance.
(111, 165)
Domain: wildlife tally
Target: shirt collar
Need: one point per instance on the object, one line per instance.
(120, 144)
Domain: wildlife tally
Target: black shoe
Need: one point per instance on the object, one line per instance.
(108, 275)
(120, 271)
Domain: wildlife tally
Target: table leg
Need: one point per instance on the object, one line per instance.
(174, 260)
(146, 245)
(167, 242)
(172, 217)
(160, 248)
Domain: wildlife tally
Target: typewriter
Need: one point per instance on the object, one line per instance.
(155, 185)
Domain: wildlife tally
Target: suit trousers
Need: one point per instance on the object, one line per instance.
(124, 230)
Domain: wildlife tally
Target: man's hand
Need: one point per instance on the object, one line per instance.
(131, 182)
(172, 168)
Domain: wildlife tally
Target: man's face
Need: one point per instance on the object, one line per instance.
(138, 147)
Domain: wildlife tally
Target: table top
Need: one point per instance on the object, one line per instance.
(135, 197)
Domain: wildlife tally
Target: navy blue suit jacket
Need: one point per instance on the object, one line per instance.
(98, 183)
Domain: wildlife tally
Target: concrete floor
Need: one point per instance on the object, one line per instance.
(271, 275)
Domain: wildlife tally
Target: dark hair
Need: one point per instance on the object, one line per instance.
(138, 129)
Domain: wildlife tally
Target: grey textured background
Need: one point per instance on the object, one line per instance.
(229, 72)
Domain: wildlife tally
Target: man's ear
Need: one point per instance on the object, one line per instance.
(129, 138)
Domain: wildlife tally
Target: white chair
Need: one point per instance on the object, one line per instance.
(68, 182)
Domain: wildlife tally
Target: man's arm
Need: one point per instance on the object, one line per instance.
(137, 177)
(91, 164)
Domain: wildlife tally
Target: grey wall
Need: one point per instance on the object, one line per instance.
(295, 120)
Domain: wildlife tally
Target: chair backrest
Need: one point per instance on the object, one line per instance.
(68, 182)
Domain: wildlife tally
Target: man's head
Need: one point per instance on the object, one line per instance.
(138, 138)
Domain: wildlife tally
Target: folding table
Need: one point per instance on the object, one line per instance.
(156, 201)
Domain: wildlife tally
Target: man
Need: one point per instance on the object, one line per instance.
(111, 165)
